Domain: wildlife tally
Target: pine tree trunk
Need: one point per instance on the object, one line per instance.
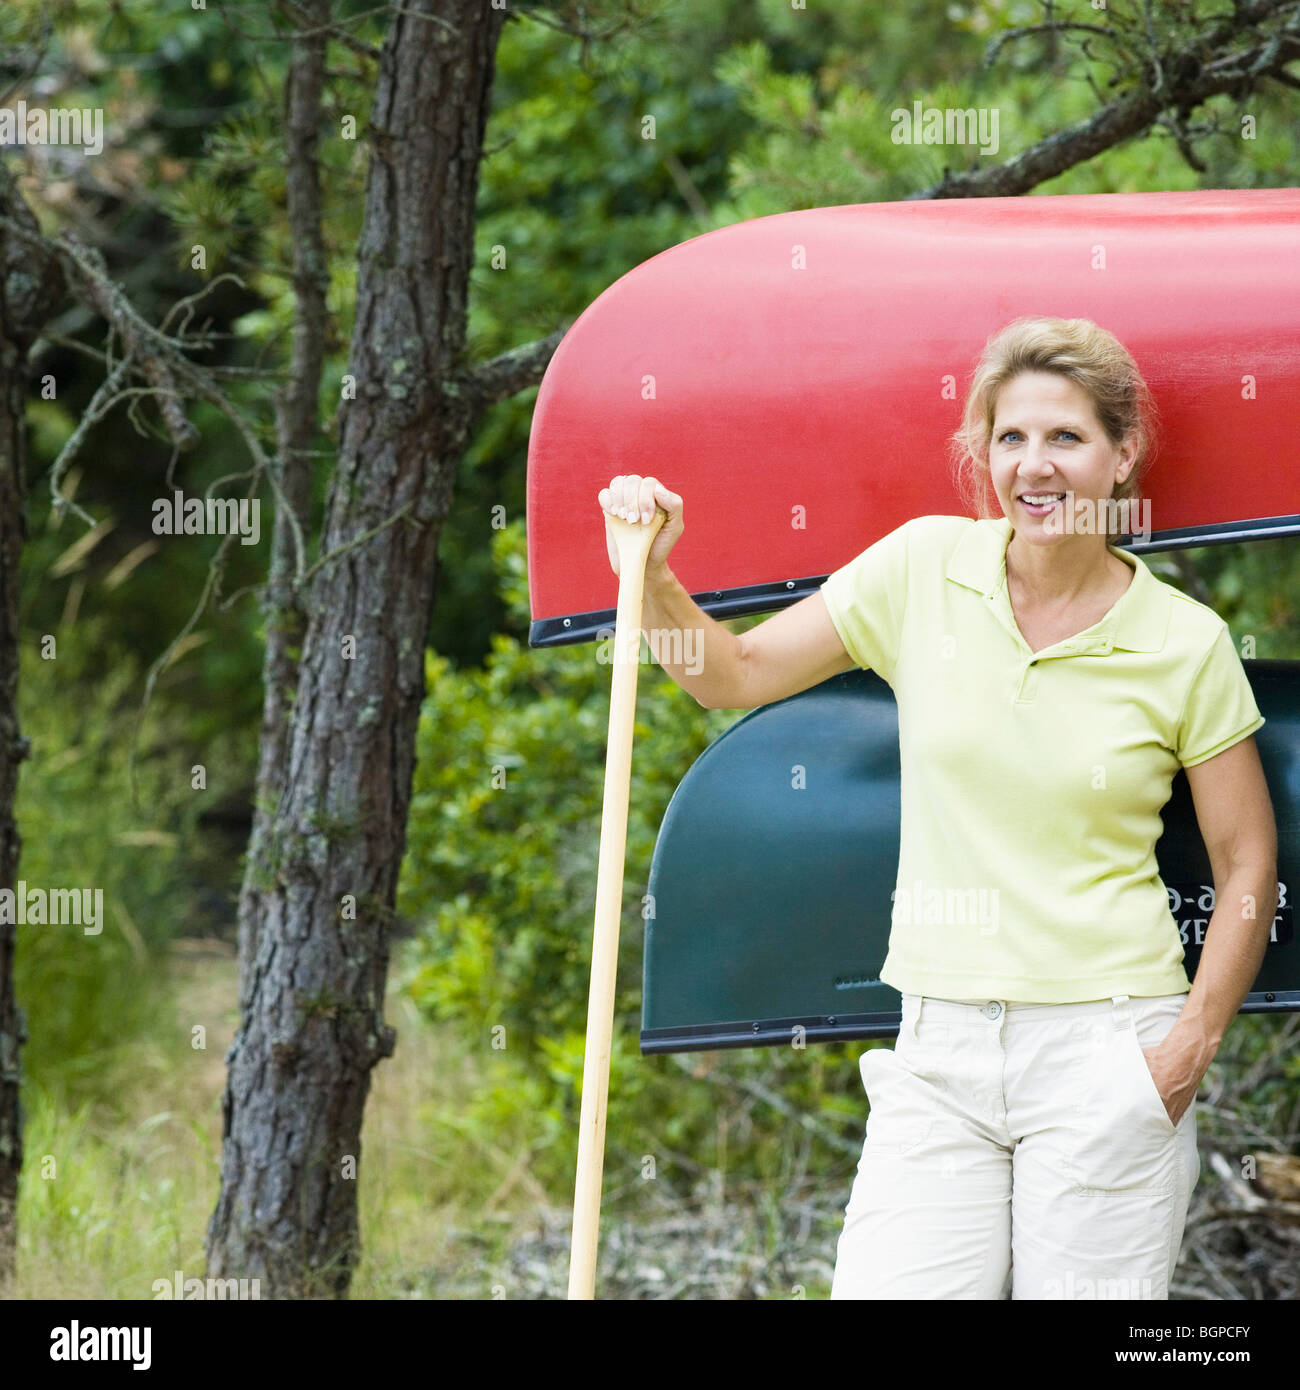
(312, 1026)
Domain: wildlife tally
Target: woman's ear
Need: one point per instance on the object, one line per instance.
(1128, 449)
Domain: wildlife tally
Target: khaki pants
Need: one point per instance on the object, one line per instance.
(1018, 1150)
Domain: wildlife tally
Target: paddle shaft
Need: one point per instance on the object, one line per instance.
(633, 540)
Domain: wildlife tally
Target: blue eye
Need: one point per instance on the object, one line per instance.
(1005, 433)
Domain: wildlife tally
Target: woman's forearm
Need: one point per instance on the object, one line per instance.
(1235, 941)
(701, 655)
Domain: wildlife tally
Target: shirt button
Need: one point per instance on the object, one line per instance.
(992, 1009)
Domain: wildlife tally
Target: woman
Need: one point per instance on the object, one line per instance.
(1033, 1131)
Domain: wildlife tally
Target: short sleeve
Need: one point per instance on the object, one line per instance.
(1220, 708)
(866, 599)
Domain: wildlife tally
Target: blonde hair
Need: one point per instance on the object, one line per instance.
(1083, 353)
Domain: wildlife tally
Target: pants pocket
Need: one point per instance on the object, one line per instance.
(1121, 1137)
(896, 1121)
(1155, 1100)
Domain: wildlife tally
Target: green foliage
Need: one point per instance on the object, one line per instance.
(1254, 587)
(504, 821)
(822, 135)
(500, 878)
(89, 998)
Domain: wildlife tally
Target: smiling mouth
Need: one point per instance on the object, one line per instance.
(1039, 503)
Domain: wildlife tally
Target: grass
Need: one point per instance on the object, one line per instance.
(117, 1193)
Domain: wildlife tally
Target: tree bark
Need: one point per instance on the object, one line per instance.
(312, 1026)
(296, 423)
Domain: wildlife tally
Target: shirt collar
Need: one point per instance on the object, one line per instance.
(1137, 622)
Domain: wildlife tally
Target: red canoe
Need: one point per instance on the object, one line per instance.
(792, 369)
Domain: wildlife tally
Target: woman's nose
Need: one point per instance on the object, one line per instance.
(1037, 459)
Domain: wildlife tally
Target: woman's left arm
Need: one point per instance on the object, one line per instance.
(1235, 816)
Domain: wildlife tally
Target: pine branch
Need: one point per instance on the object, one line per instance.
(511, 372)
(1176, 79)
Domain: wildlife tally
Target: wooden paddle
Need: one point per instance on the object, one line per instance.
(633, 541)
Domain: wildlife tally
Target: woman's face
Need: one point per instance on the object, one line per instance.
(1047, 440)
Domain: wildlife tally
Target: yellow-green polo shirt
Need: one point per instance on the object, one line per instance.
(1032, 783)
